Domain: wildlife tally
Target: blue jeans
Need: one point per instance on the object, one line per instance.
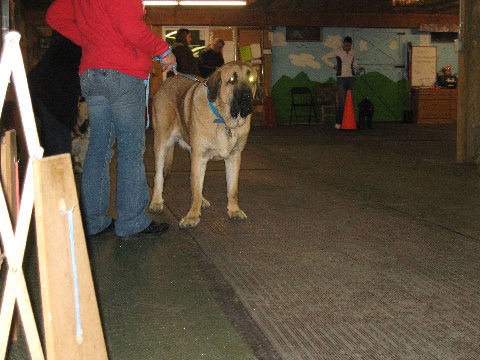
(343, 85)
(116, 107)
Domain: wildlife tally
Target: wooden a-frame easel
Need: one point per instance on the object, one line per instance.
(68, 296)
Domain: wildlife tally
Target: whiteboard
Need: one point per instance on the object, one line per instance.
(424, 66)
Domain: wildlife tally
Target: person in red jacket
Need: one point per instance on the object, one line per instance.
(117, 50)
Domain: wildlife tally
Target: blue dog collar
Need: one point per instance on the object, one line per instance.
(219, 119)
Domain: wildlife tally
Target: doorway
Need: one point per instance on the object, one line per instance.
(199, 36)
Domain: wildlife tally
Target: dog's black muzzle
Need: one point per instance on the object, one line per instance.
(242, 102)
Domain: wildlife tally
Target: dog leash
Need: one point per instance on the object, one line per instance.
(147, 83)
(188, 76)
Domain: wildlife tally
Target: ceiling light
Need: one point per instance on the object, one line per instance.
(407, 2)
(160, 3)
(195, 3)
(214, 3)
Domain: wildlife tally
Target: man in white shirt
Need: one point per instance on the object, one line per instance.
(346, 65)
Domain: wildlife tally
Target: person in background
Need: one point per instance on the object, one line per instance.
(445, 78)
(346, 65)
(186, 62)
(211, 58)
(55, 88)
(117, 50)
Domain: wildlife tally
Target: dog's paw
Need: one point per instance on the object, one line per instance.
(237, 214)
(187, 222)
(156, 207)
(205, 203)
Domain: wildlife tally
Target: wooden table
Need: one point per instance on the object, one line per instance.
(434, 105)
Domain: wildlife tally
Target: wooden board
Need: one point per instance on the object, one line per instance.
(54, 186)
(424, 66)
(8, 155)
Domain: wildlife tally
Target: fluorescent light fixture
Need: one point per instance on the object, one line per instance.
(171, 34)
(160, 3)
(213, 3)
(407, 2)
(195, 3)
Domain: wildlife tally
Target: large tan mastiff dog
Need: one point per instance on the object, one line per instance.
(184, 113)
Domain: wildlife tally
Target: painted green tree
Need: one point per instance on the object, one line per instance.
(390, 98)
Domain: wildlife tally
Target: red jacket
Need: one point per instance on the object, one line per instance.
(112, 34)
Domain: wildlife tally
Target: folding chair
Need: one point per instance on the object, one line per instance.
(326, 97)
(302, 97)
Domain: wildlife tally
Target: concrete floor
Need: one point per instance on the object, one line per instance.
(358, 245)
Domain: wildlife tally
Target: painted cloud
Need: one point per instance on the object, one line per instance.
(333, 41)
(279, 39)
(363, 46)
(304, 60)
(394, 45)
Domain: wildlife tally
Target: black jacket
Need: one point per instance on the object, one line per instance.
(55, 81)
(186, 62)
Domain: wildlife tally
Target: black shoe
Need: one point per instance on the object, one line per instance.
(153, 229)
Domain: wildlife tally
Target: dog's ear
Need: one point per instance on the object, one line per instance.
(213, 84)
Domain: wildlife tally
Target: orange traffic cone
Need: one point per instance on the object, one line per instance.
(348, 121)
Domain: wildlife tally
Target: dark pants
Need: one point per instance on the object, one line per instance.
(116, 112)
(343, 85)
(55, 137)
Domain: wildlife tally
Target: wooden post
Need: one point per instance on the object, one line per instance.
(461, 113)
(72, 323)
(468, 135)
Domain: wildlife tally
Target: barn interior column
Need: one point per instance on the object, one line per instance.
(468, 125)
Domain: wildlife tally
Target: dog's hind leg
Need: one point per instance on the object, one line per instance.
(199, 166)
(232, 170)
(164, 142)
(156, 205)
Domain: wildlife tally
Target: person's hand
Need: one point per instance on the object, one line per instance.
(168, 62)
(335, 67)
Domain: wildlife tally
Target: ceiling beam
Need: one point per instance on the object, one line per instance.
(447, 6)
(268, 19)
(383, 20)
(217, 17)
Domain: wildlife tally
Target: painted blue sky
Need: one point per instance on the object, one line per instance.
(381, 50)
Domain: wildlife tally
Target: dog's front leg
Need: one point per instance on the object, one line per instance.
(232, 170)
(156, 204)
(199, 165)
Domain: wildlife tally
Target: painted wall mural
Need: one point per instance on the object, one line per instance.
(381, 52)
